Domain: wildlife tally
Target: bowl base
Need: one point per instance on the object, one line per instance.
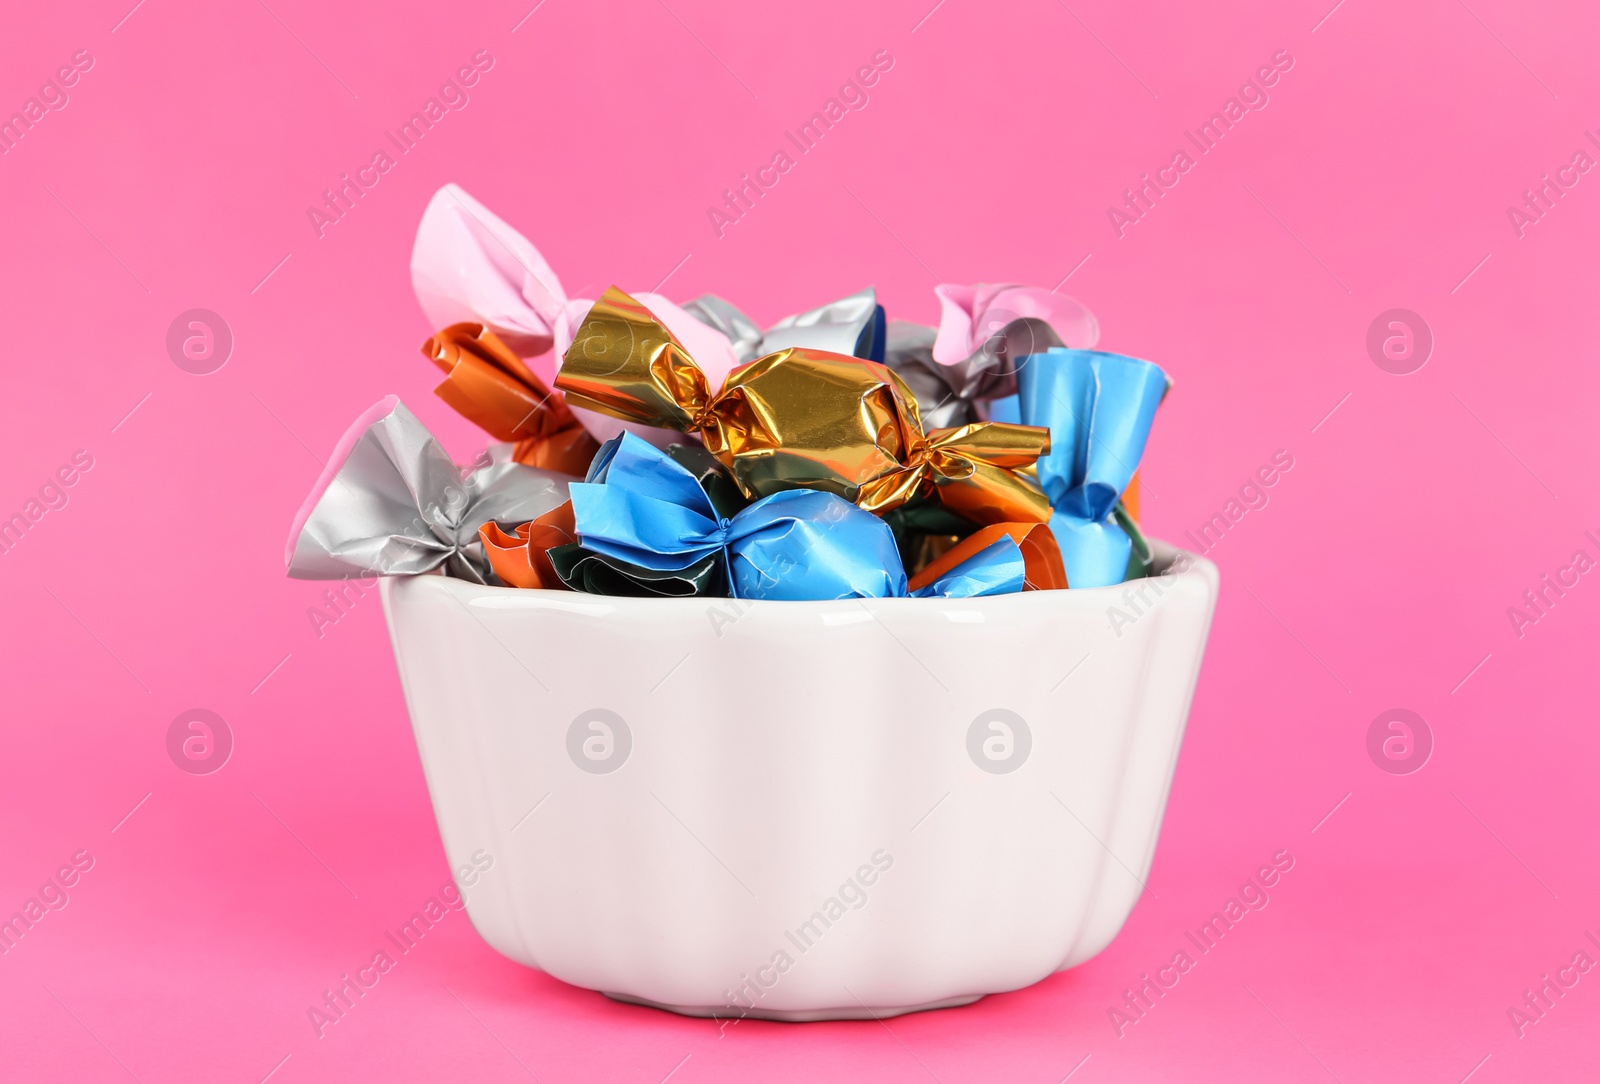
(797, 1016)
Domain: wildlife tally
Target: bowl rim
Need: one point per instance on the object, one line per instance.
(494, 596)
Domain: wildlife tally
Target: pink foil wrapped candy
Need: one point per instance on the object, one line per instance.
(470, 266)
(971, 315)
(969, 361)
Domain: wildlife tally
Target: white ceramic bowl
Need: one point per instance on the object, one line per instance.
(800, 810)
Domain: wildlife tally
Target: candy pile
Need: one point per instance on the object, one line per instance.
(833, 455)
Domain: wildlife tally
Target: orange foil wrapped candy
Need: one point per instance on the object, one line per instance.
(1040, 555)
(521, 557)
(488, 384)
(803, 419)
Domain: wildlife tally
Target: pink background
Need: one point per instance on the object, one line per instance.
(1378, 577)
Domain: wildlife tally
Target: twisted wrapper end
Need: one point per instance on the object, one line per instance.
(1041, 556)
(391, 503)
(489, 385)
(1099, 407)
(625, 363)
(469, 264)
(981, 471)
(803, 419)
(521, 556)
(957, 392)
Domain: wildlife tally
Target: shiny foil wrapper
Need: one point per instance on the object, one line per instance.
(955, 393)
(487, 383)
(960, 368)
(646, 524)
(924, 531)
(547, 552)
(521, 557)
(803, 419)
(1099, 407)
(1040, 555)
(979, 471)
(852, 325)
(391, 503)
(598, 574)
(642, 508)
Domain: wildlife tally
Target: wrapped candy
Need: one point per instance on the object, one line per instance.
(584, 570)
(696, 336)
(641, 509)
(983, 332)
(970, 315)
(645, 524)
(802, 419)
(954, 394)
(391, 503)
(520, 557)
(924, 530)
(546, 552)
(470, 266)
(852, 325)
(713, 478)
(995, 560)
(1099, 408)
(488, 384)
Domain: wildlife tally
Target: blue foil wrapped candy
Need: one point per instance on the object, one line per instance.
(1099, 408)
(642, 508)
(997, 568)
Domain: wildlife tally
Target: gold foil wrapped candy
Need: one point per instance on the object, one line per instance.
(803, 419)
